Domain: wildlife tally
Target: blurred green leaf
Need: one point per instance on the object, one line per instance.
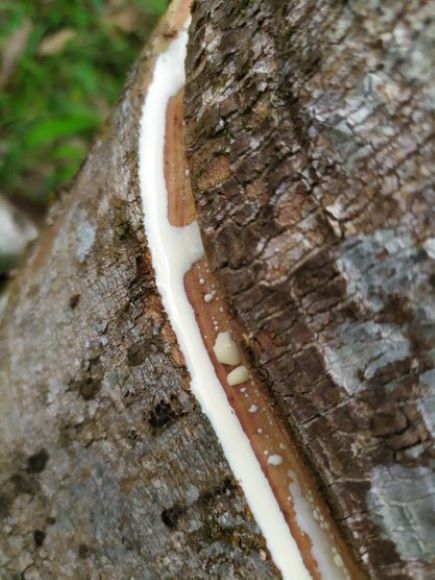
(51, 129)
(52, 101)
(70, 152)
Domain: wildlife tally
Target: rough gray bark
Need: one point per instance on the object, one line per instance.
(311, 147)
(107, 467)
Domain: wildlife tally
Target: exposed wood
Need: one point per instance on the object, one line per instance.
(256, 410)
(181, 204)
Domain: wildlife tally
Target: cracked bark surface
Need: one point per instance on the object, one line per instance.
(108, 469)
(310, 140)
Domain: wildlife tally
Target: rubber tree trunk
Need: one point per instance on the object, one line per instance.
(309, 140)
(311, 148)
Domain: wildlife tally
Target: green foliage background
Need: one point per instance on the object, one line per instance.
(52, 106)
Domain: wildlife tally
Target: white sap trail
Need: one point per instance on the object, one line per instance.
(174, 250)
(328, 560)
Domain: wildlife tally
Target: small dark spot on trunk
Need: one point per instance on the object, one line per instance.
(133, 435)
(38, 537)
(137, 354)
(88, 388)
(161, 415)
(83, 551)
(89, 382)
(171, 516)
(36, 463)
(74, 300)
(228, 485)
(165, 412)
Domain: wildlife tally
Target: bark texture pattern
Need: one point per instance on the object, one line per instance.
(310, 135)
(108, 469)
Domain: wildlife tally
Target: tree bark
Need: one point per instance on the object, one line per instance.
(107, 467)
(310, 138)
(310, 145)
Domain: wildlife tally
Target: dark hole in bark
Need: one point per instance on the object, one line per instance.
(74, 300)
(136, 355)
(161, 415)
(36, 463)
(170, 516)
(88, 388)
(228, 485)
(165, 412)
(38, 537)
(83, 551)
(133, 435)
